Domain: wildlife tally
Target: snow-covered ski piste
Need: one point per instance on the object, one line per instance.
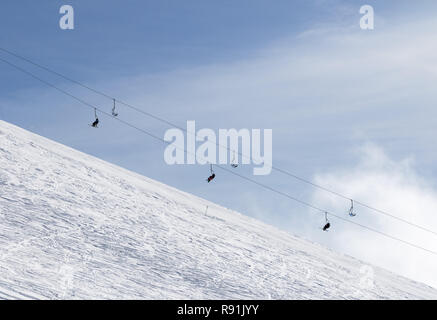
(76, 227)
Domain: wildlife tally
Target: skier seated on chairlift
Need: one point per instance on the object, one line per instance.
(95, 123)
(326, 227)
(211, 177)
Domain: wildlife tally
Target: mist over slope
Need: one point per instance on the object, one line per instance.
(76, 227)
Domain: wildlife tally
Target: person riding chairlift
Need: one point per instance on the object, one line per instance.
(327, 225)
(95, 123)
(212, 176)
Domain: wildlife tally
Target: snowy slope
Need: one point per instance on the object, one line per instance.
(73, 226)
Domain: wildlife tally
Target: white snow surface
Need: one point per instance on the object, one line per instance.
(76, 227)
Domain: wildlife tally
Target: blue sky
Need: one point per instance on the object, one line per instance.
(345, 105)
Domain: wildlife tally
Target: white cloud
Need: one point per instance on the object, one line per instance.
(395, 187)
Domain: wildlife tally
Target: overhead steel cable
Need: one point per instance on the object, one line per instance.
(221, 167)
(285, 172)
(91, 89)
(77, 99)
(327, 212)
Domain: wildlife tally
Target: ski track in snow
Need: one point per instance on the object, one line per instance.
(76, 227)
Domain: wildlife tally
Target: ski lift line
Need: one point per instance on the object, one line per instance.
(223, 168)
(54, 72)
(82, 101)
(285, 172)
(171, 124)
(91, 89)
(328, 212)
(327, 223)
(371, 208)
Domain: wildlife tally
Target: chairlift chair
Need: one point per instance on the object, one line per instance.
(96, 122)
(351, 210)
(327, 224)
(212, 176)
(114, 114)
(233, 163)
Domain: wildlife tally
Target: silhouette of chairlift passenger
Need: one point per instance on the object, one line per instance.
(233, 163)
(327, 224)
(96, 122)
(212, 176)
